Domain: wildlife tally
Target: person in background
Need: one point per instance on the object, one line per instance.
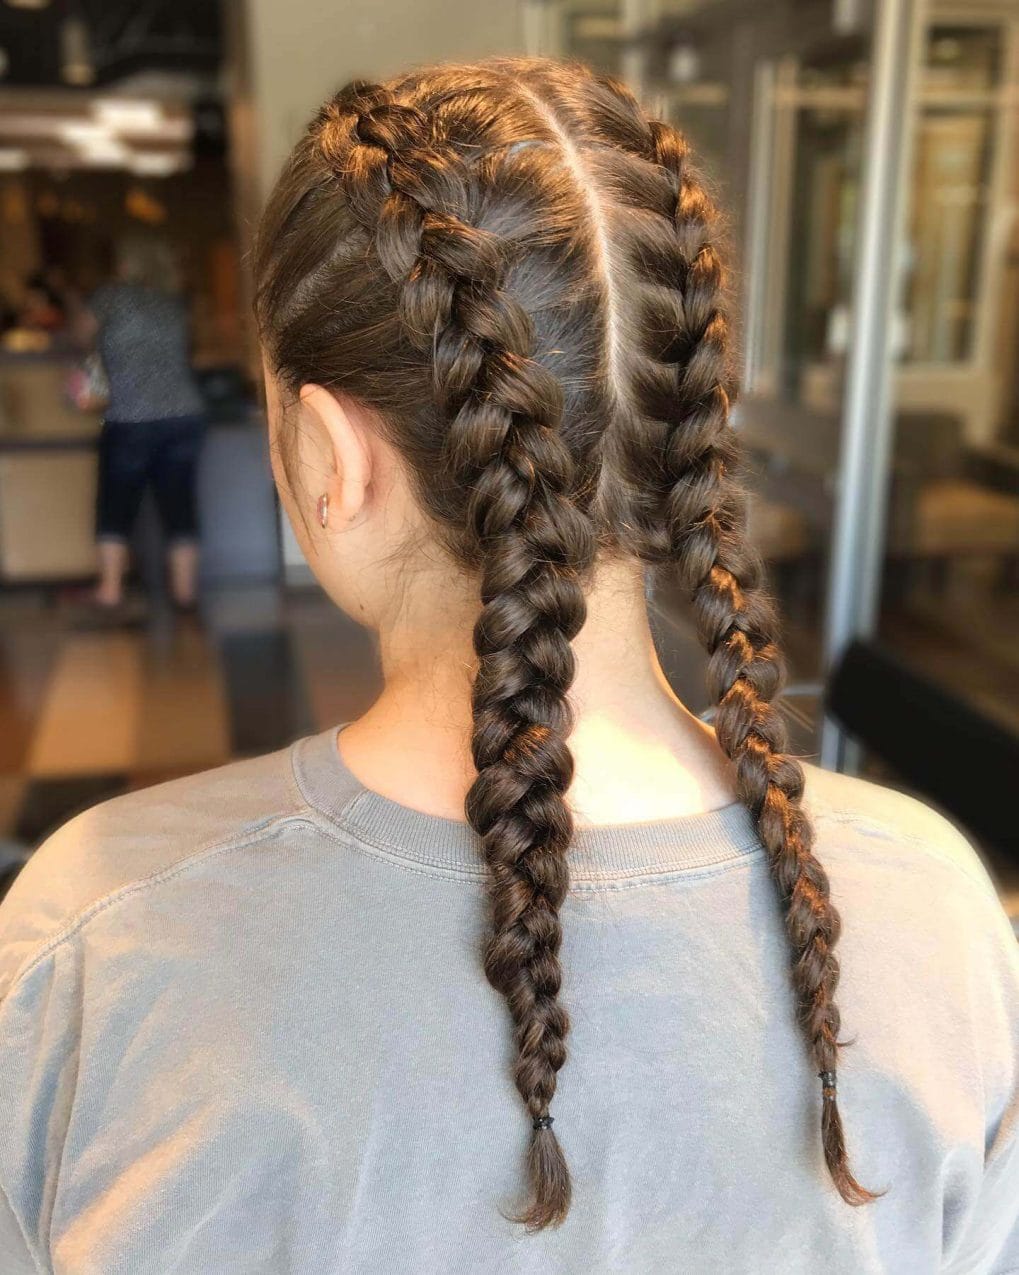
(155, 415)
(319, 1011)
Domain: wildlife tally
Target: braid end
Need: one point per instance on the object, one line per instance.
(549, 1179)
(837, 1160)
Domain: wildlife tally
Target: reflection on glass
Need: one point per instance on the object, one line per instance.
(954, 151)
(825, 193)
(950, 604)
(959, 57)
(954, 154)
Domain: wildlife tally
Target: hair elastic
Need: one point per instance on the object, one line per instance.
(827, 1085)
(543, 1122)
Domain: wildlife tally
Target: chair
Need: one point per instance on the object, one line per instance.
(936, 743)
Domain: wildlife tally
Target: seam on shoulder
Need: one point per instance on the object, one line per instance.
(293, 780)
(305, 801)
(250, 835)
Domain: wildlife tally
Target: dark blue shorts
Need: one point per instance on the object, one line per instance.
(134, 454)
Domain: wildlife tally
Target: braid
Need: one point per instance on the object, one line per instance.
(515, 269)
(532, 545)
(698, 529)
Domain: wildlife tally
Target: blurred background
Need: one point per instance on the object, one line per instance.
(864, 151)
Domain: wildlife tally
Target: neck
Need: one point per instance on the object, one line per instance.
(640, 754)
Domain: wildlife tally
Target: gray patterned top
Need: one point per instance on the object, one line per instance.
(144, 343)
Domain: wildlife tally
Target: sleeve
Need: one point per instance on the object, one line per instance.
(988, 1241)
(39, 1053)
(991, 1242)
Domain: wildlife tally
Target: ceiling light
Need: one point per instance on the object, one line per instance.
(108, 153)
(82, 133)
(27, 4)
(93, 143)
(13, 159)
(126, 116)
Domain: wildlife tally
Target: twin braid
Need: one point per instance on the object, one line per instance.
(697, 528)
(532, 546)
(533, 539)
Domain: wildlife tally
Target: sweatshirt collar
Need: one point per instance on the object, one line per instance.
(601, 853)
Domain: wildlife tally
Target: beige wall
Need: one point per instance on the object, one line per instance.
(298, 52)
(287, 56)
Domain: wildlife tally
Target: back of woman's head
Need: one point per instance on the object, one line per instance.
(515, 270)
(146, 258)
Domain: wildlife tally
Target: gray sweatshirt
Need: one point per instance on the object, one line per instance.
(245, 1029)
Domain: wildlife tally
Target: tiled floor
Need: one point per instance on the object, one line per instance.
(85, 714)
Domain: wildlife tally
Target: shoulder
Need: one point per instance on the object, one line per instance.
(132, 839)
(927, 953)
(907, 880)
(885, 824)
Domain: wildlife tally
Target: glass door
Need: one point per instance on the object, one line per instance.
(773, 97)
(949, 604)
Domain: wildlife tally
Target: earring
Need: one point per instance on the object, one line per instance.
(323, 510)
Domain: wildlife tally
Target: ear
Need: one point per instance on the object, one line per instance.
(349, 456)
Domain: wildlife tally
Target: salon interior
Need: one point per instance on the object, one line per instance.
(866, 153)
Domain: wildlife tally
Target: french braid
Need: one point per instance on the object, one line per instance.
(516, 269)
(699, 531)
(532, 545)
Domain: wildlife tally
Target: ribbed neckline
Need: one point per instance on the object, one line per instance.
(601, 853)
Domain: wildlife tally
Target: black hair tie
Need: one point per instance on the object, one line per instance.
(543, 1122)
(827, 1085)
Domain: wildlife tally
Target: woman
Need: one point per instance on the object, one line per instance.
(298, 1015)
(154, 419)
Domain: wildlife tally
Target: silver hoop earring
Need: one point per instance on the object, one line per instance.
(323, 510)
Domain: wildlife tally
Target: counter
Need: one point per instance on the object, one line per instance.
(48, 484)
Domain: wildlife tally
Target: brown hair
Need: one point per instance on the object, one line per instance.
(148, 258)
(515, 267)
